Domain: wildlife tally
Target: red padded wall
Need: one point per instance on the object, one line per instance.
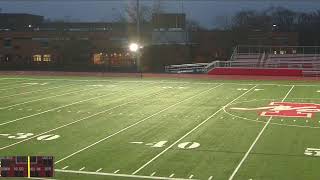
(255, 72)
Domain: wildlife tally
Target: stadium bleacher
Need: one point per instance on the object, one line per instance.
(276, 57)
(263, 58)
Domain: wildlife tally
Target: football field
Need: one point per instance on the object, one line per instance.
(152, 128)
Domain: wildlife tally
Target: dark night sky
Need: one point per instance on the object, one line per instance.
(204, 11)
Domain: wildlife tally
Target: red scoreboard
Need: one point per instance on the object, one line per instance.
(26, 166)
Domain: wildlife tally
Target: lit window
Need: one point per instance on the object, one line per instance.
(97, 58)
(47, 57)
(37, 57)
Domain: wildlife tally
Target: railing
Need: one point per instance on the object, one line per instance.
(234, 53)
(187, 68)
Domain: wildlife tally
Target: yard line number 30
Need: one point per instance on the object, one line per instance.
(46, 137)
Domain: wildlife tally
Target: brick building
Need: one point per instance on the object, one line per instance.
(29, 42)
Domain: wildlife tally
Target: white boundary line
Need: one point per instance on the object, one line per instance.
(48, 97)
(35, 91)
(41, 178)
(118, 175)
(53, 109)
(17, 87)
(195, 128)
(255, 141)
(183, 81)
(73, 122)
(9, 83)
(132, 125)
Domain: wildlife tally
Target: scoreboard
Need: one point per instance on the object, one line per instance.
(26, 166)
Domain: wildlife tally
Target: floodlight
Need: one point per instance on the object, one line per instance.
(134, 47)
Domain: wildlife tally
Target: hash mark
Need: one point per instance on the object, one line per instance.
(65, 167)
(210, 178)
(116, 171)
(82, 168)
(153, 174)
(99, 170)
(191, 176)
(171, 175)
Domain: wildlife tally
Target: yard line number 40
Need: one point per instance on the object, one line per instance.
(184, 145)
(312, 152)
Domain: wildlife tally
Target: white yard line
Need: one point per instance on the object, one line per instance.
(132, 125)
(28, 92)
(117, 175)
(48, 97)
(192, 130)
(73, 122)
(56, 108)
(256, 140)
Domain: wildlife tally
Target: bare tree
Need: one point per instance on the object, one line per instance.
(130, 12)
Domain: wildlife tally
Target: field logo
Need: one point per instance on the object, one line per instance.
(286, 109)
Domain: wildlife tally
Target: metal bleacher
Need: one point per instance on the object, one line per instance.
(305, 58)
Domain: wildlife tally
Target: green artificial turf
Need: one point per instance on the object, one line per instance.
(131, 128)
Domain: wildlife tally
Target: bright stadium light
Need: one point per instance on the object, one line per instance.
(134, 47)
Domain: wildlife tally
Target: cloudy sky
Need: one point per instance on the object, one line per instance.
(204, 11)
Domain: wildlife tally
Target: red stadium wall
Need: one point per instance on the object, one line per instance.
(255, 72)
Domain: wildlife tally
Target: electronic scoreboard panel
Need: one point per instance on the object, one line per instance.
(26, 166)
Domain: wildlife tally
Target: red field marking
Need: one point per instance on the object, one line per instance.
(286, 109)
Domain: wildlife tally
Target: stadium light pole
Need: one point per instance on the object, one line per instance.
(139, 69)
